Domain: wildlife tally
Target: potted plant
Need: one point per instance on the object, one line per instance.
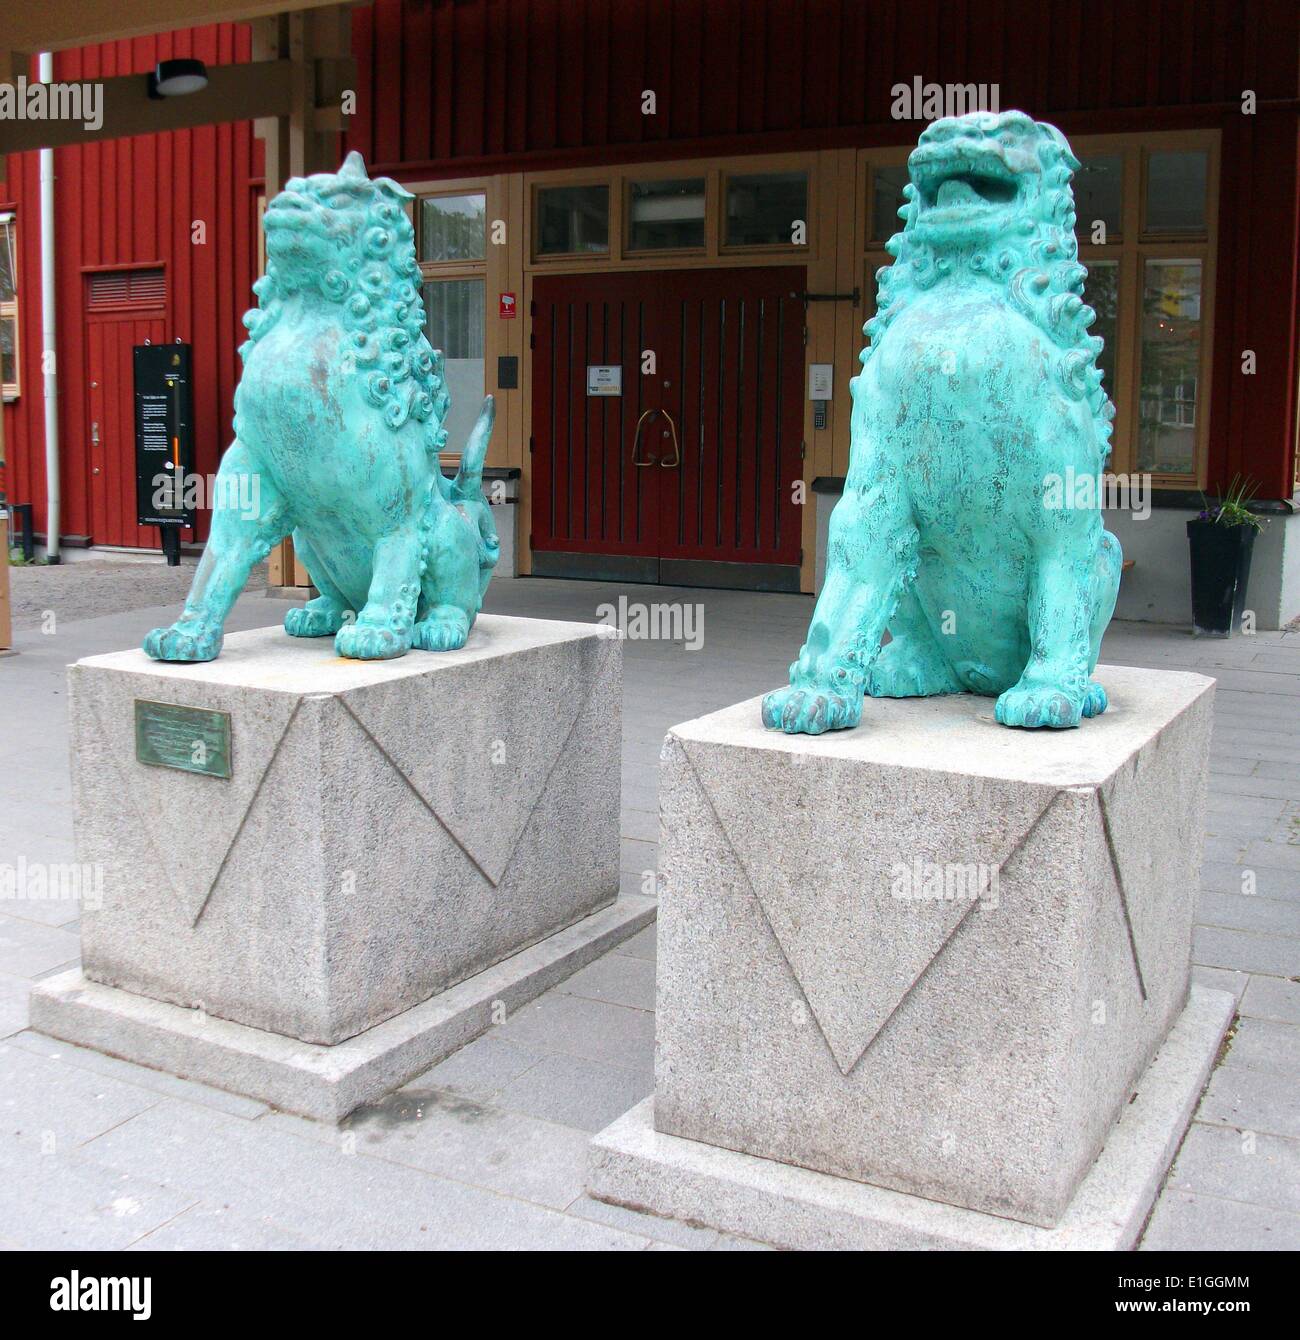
(1222, 539)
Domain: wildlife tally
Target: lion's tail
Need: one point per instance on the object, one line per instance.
(468, 484)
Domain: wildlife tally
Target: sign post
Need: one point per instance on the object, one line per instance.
(164, 441)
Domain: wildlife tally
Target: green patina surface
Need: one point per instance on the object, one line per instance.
(979, 394)
(338, 422)
(193, 739)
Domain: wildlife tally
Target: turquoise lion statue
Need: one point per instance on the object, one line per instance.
(338, 430)
(979, 394)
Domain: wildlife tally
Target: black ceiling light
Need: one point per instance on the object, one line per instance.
(175, 78)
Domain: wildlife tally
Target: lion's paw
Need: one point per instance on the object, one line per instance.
(367, 642)
(799, 711)
(898, 672)
(445, 631)
(317, 618)
(1095, 701)
(184, 641)
(1035, 707)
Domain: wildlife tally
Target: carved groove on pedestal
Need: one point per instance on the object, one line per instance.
(192, 908)
(1119, 884)
(465, 843)
(848, 1055)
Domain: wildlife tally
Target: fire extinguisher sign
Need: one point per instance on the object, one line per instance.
(507, 307)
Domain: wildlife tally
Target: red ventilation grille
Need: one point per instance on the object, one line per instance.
(127, 288)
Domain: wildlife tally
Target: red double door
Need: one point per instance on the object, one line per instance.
(667, 425)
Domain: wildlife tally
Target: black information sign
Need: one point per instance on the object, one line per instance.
(164, 436)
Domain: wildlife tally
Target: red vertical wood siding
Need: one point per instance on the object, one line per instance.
(447, 87)
(465, 85)
(125, 202)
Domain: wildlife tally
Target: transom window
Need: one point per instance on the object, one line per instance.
(452, 227)
(666, 214)
(767, 209)
(754, 205)
(572, 220)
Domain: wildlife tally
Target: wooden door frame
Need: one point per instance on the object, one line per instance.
(637, 563)
(109, 316)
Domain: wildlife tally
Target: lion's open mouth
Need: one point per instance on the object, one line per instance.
(953, 179)
(972, 188)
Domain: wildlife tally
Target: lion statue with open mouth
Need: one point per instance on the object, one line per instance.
(979, 393)
(338, 425)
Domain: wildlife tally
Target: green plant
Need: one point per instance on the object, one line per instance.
(1233, 507)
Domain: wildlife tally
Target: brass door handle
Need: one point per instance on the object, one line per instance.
(676, 459)
(636, 436)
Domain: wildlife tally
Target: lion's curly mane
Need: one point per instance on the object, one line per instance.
(375, 283)
(1037, 265)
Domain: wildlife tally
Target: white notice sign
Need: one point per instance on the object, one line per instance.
(604, 379)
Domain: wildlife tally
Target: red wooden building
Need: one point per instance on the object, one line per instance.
(601, 178)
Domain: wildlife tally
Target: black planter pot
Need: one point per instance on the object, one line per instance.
(1220, 573)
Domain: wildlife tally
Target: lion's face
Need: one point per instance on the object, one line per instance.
(333, 220)
(977, 177)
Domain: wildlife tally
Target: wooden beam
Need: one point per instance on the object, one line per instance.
(234, 93)
(55, 25)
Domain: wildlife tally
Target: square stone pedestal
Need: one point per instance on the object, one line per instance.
(925, 963)
(320, 876)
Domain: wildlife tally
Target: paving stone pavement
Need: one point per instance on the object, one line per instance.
(488, 1148)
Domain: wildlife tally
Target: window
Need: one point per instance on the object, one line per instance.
(1101, 289)
(1175, 197)
(452, 227)
(1098, 197)
(9, 304)
(767, 209)
(451, 240)
(886, 200)
(454, 311)
(882, 198)
(666, 215)
(572, 220)
(1170, 362)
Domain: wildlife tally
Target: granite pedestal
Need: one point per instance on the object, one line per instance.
(402, 851)
(932, 956)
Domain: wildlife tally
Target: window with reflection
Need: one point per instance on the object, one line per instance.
(1099, 199)
(1171, 366)
(454, 311)
(1101, 291)
(452, 227)
(665, 215)
(1176, 187)
(764, 209)
(572, 220)
(886, 200)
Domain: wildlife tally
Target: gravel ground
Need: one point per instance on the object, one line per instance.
(87, 590)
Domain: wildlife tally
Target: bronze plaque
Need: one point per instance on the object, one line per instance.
(192, 739)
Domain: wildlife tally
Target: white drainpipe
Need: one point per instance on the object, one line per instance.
(48, 307)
